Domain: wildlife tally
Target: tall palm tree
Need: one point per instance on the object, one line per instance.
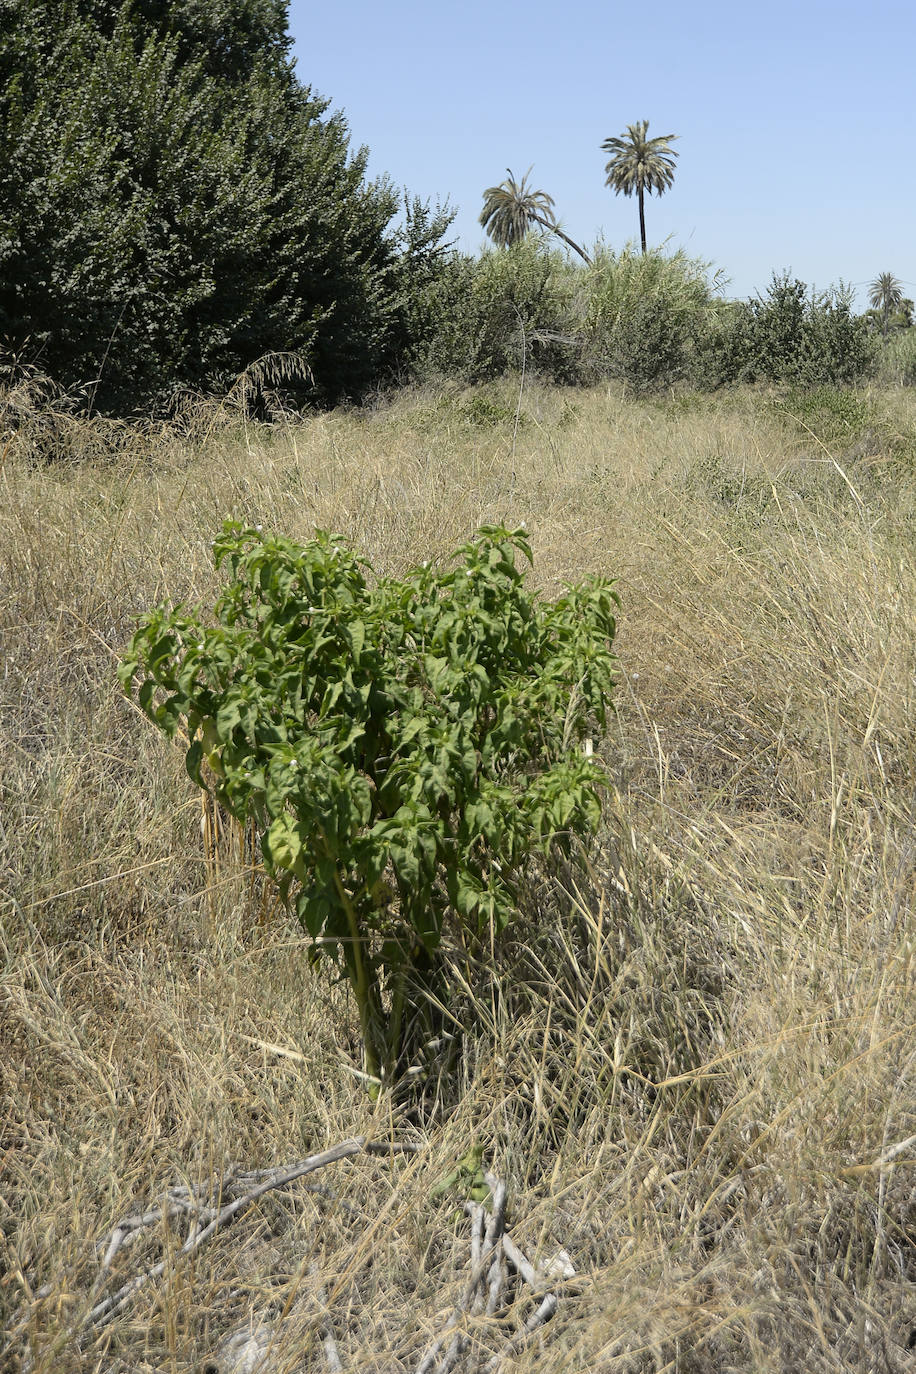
(510, 209)
(640, 164)
(885, 293)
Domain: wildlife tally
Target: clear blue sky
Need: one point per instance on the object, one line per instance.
(796, 121)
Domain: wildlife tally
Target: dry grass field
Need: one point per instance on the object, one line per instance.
(694, 1066)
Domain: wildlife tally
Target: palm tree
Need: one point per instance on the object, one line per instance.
(640, 164)
(510, 209)
(885, 293)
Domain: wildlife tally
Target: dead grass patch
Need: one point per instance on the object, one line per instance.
(696, 1069)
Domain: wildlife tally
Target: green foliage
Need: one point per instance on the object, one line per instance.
(496, 312)
(486, 411)
(722, 347)
(808, 339)
(174, 206)
(831, 414)
(414, 282)
(899, 319)
(403, 747)
(645, 314)
(896, 364)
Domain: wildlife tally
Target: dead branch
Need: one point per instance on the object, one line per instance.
(185, 1201)
(492, 1250)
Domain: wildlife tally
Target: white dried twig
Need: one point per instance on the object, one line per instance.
(471, 1301)
(182, 1201)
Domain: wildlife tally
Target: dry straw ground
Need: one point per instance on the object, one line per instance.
(697, 1071)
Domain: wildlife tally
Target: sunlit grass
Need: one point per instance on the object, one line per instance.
(698, 1064)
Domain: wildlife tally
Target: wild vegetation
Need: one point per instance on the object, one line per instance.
(608, 904)
(689, 1053)
(175, 205)
(178, 208)
(401, 750)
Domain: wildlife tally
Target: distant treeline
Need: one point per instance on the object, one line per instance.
(175, 205)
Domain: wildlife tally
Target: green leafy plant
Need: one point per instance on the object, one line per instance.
(403, 747)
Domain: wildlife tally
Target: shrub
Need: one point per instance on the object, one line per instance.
(174, 205)
(508, 307)
(645, 314)
(403, 747)
(833, 415)
(808, 339)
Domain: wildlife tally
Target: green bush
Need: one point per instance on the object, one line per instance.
(833, 415)
(722, 347)
(174, 205)
(807, 339)
(403, 747)
(508, 308)
(644, 316)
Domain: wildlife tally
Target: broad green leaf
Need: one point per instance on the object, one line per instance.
(284, 845)
(401, 789)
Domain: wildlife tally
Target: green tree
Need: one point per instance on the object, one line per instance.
(422, 270)
(803, 337)
(174, 205)
(639, 164)
(885, 293)
(512, 207)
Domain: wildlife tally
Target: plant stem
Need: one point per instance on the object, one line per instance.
(364, 987)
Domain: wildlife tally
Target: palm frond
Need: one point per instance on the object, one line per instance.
(639, 163)
(512, 208)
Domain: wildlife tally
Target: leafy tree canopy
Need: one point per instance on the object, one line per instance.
(227, 39)
(174, 205)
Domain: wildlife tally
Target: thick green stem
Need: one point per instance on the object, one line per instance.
(395, 1024)
(365, 989)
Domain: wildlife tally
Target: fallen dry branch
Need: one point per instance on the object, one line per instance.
(498, 1270)
(492, 1251)
(243, 1189)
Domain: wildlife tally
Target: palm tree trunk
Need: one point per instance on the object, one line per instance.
(642, 220)
(554, 229)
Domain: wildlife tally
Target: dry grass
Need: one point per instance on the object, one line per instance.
(698, 1069)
